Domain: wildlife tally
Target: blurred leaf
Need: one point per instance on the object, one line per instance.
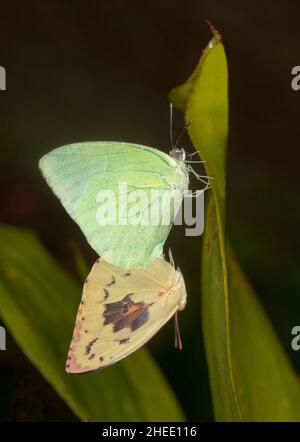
(250, 377)
(80, 261)
(266, 384)
(38, 303)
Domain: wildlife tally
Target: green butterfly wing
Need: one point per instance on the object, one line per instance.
(80, 174)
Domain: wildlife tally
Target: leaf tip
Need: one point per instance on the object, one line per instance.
(217, 35)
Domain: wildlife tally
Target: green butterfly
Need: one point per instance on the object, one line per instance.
(78, 172)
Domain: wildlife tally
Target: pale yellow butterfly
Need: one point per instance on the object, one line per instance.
(121, 310)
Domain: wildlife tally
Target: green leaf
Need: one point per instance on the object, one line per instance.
(251, 379)
(80, 262)
(38, 303)
(207, 117)
(180, 94)
(267, 387)
(216, 319)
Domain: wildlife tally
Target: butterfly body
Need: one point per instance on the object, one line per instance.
(78, 173)
(115, 319)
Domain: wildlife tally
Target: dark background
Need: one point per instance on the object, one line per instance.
(79, 71)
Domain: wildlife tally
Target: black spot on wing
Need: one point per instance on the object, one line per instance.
(124, 341)
(92, 356)
(112, 282)
(106, 294)
(89, 346)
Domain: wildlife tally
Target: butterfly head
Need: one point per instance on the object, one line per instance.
(178, 154)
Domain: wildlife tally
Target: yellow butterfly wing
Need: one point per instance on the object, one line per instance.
(120, 311)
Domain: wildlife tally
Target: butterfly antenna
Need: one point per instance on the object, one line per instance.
(184, 130)
(171, 125)
(178, 341)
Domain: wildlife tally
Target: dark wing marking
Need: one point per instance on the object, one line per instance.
(89, 346)
(106, 294)
(126, 313)
(140, 320)
(118, 306)
(124, 341)
(113, 281)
